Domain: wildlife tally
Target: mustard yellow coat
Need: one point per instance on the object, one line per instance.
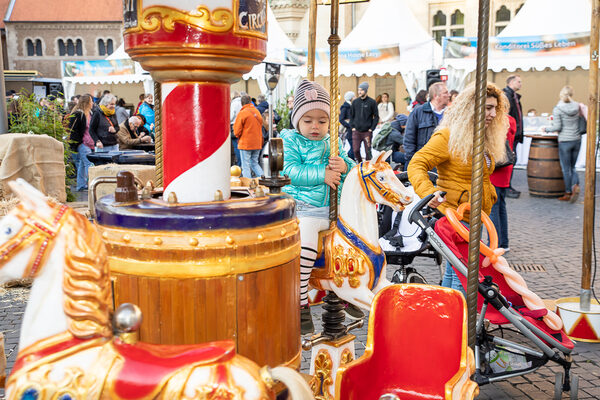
(454, 175)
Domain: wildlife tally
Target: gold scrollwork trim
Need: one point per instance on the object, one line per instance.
(219, 20)
(323, 379)
(346, 357)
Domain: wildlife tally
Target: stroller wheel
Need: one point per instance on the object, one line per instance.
(574, 386)
(398, 276)
(408, 275)
(558, 386)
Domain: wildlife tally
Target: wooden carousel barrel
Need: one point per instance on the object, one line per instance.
(544, 175)
(210, 271)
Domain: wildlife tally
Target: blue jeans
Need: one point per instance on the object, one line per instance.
(568, 152)
(450, 279)
(398, 157)
(236, 151)
(250, 163)
(499, 217)
(83, 164)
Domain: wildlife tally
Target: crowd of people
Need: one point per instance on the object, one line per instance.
(94, 123)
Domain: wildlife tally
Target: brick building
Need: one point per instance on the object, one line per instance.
(41, 33)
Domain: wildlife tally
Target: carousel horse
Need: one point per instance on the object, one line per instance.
(67, 347)
(352, 263)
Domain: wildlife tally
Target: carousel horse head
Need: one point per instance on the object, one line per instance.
(380, 185)
(353, 264)
(67, 344)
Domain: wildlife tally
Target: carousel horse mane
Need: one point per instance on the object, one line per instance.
(86, 283)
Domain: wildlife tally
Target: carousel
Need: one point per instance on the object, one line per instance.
(187, 287)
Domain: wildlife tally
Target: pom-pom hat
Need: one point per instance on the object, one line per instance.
(309, 96)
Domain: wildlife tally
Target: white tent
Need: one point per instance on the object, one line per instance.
(390, 24)
(538, 21)
(139, 75)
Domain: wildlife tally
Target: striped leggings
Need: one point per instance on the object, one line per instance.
(309, 236)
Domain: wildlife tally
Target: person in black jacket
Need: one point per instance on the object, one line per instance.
(104, 124)
(81, 142)
(364, 117)
(513, 84)
(345, 119)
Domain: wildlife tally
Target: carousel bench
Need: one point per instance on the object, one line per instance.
(416, 348)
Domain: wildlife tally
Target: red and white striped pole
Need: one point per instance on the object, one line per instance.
(196, 49)
(196, 141)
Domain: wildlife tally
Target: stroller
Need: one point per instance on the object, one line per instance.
(403, 241)
(496, 357)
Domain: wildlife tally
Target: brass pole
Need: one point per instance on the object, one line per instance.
(312, 39)
(334, 41)
(590, 164)
(158, 134)
(477, 166)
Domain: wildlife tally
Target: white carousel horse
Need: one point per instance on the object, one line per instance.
(67, 348)
(353, 264)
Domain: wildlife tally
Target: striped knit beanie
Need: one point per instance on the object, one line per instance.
(309, 96)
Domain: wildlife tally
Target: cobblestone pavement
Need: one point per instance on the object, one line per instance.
(542, 231)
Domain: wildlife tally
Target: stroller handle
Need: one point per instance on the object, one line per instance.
(415, 215)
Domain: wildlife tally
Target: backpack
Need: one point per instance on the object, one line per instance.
(380, 141)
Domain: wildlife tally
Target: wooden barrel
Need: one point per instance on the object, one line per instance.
(210, 271)
(544, 175)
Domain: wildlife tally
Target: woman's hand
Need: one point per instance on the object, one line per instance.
(437, 200)
(99, 144)
(111, 129)
(337, 164)
(332, 178)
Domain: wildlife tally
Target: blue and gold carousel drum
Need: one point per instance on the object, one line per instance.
(209, 271)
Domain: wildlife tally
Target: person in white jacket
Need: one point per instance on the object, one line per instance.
(386, 109)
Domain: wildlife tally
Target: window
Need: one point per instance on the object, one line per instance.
(34, 48)
(105, 48)
(457, 24)
(457, 18)
(502, 19)
(70, 47)
(30, 48)
(439, 26)
(439, 19)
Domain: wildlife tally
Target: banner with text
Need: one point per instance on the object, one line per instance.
(519, 46)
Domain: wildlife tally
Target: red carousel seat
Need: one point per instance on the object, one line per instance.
(146, 366)
(416, 348)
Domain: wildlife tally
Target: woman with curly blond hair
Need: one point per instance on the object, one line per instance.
(450, 150)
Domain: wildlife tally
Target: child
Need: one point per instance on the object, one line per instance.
(307, 163)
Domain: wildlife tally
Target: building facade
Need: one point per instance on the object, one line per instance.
(439, 17)
(41, 34)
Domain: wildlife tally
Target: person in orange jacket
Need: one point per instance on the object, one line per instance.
(248, 129)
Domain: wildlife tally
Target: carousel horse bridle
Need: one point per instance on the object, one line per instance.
(369, 183)
(37, 232)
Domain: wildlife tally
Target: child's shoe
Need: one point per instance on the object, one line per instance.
(352, 311)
